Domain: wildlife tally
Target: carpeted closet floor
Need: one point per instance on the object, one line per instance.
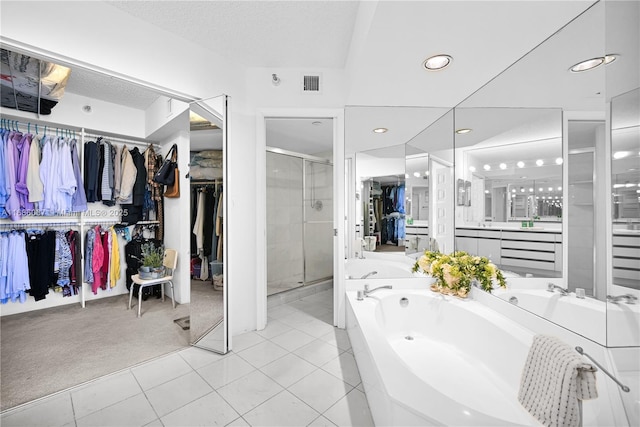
(49, 350)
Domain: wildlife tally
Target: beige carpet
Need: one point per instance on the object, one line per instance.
(49, 350)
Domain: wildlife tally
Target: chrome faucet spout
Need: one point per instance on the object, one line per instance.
(368, 291)
(628, 298)
(552, 288)
(371, 273)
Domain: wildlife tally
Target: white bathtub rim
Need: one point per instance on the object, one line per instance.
(409, 399)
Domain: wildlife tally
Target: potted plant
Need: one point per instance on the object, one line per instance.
(152, 258)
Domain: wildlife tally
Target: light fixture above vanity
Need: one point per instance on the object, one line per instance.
(463, 131)
(380, 130)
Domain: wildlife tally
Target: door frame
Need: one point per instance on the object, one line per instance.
(337, 114)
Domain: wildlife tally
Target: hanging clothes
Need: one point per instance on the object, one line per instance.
(5, 190)
(23, 148)
(106, 182)
(41, 249)
(114, 267)
(34, 183)
(91, 166)
(12, 205)
(128, 177)
(14, 267)
(79, 199)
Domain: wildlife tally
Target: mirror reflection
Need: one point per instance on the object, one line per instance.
(207, 321)
(381, 211)
(509, 180)
(625, 183)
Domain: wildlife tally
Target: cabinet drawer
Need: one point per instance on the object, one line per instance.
(465, 232)
(540, 265)
(532, 246)
(529, 255)
(528, 236)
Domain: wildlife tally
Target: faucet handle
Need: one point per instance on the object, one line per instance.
(366, 288)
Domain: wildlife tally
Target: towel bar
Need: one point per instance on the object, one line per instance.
(622, 386)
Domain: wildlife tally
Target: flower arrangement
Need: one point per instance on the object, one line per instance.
(455, 272)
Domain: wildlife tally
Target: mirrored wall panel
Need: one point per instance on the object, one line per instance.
(208, 322)
(509, 193)
(431, 194)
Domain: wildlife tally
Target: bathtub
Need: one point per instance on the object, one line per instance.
(587, 317)
(388, 268)
(416, 364)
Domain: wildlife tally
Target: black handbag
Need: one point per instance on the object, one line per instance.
(166, 173)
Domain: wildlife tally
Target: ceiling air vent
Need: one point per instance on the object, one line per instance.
(311, 83)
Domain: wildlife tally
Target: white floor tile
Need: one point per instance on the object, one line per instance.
(54, 411)
(134, 411)
(224, 371)
(104, 392)
(320, 390)
(249, 391)
(293, 339)
(160, 371)
(262, 354)
(360, 387)
(273, 329)
(318, 352)
(351, 410)
(315, 327)
(296, 319)
(288, 369)
(337, 337)
(154, 423)
(280, 311)
(246, 340)
(284, 409)
(321, 422)
(344, 367)
(197, 357)
(240, 422)
(173, 394)
(209, 410)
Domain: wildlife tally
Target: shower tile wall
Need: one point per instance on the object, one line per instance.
(285, 261)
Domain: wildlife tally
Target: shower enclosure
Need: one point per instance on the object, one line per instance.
(299, 220)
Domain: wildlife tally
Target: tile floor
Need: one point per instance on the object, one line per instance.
(298, 371)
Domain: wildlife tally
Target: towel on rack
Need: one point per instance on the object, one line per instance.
(554, 378)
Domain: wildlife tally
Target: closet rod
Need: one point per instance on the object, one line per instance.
(122, 140)
(206, 182)
(38, 128)
(36, 225)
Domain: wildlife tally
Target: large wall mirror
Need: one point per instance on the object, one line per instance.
(509, 188)
(207, 172)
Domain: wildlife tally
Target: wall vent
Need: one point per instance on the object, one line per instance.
(311, 83)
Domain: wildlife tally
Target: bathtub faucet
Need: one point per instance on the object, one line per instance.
(371, 273)
(551, 288)
(367, 291)
(628, 298)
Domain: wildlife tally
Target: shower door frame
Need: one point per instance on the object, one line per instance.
(305, 158)
(337, 114)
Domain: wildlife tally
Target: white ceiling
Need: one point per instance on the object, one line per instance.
(301, 135)
(258, 33)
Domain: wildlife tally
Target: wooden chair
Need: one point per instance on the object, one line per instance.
(170, 263)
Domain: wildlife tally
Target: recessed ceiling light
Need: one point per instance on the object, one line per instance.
(620, 154)
(550, 188)
(559, 161)
(539, 162)
(437, 62)
(487, 167)
(520, 164)
(472, 168)
(463, 131)
(503, 166)
(486, 191)
(531, 190)
(416, 174)
(316, 123)
(380, 130)
(587, 65)
(608, 59)
(559, 188)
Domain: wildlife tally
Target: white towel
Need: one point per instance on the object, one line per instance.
(554, 378)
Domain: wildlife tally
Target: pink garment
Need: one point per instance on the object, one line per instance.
(105, 260)
(97, 258)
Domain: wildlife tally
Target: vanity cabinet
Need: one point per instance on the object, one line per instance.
(518, 249)
(626, 258)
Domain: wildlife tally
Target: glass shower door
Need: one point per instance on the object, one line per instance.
(318, 221)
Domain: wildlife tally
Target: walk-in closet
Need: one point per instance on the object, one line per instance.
(78, 207)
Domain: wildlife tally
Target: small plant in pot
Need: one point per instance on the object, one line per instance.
(152, 258)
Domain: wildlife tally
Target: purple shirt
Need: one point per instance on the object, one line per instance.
(23, 146)
(13, 203)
